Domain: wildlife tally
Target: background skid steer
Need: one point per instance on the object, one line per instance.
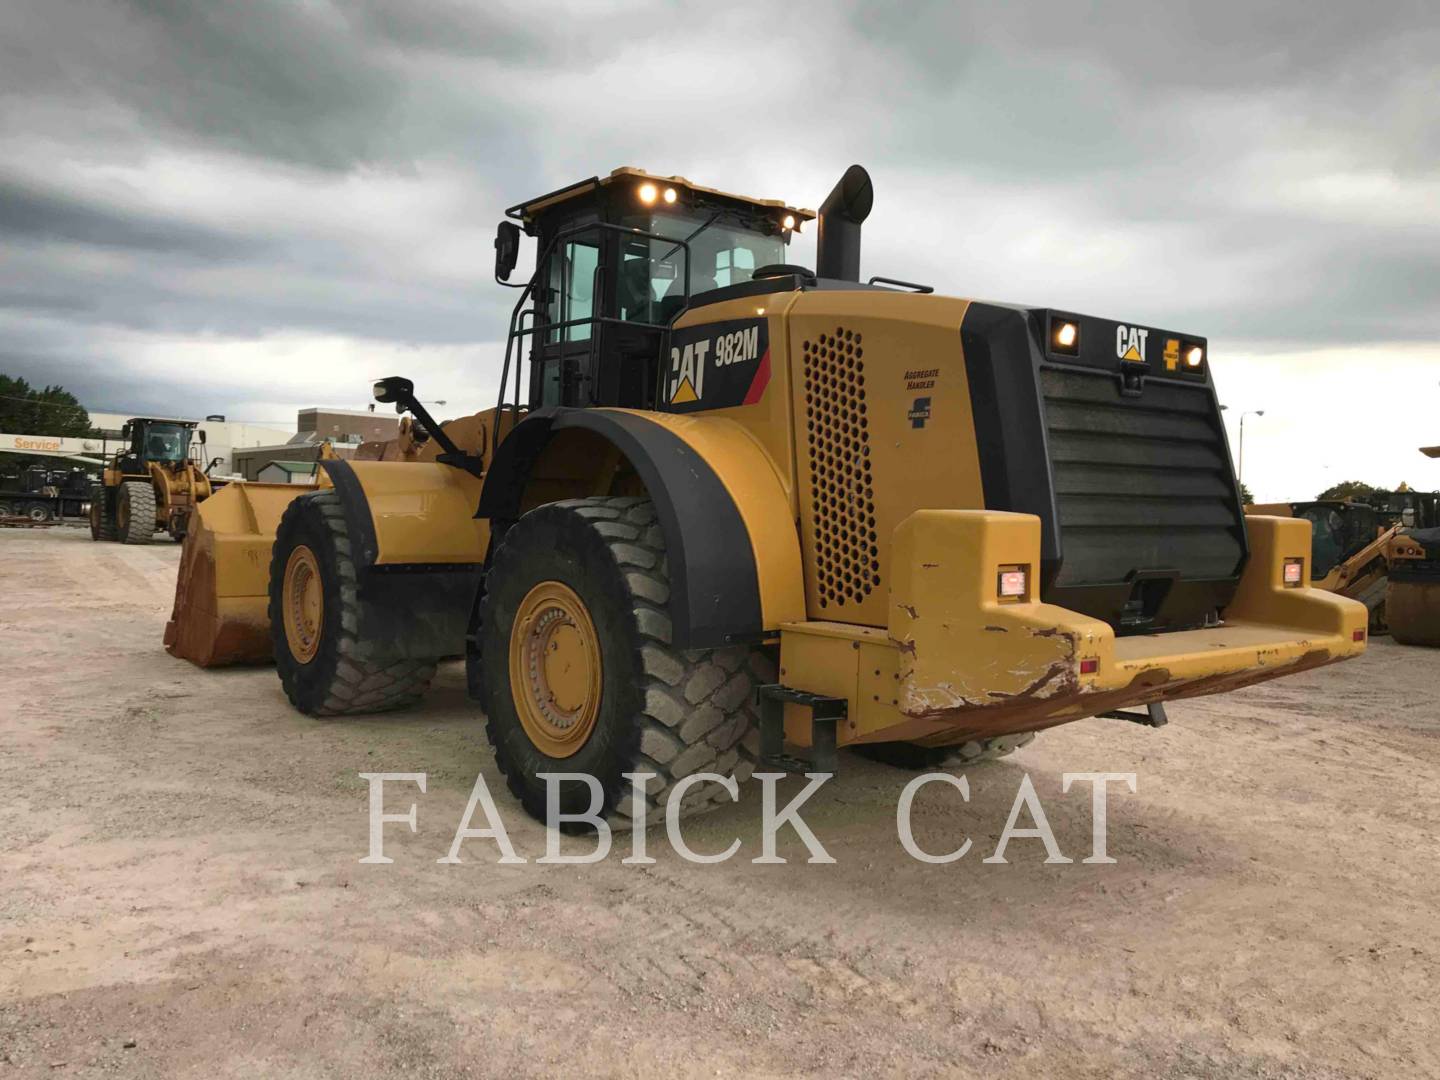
(699, 492)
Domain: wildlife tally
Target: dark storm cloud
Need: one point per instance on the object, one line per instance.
(32, 215)
(1263, 173)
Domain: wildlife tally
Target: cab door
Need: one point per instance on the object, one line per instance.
(562, 358)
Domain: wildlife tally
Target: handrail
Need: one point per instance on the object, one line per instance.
(529, 293)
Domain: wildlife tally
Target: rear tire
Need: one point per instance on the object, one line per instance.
(649, 707)
(135, 512)
(102, 525)
(319, 663)
(903, 755)
(38, 512)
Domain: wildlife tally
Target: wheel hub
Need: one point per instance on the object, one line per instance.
(555, 669)
(303, 603)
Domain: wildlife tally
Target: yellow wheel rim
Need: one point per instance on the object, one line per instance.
(303, 603)
(555, 671)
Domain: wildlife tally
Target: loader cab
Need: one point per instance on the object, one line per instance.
(617, 259)
(156, 439)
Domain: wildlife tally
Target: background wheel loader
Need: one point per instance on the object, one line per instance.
(692, 536)
(152, 484)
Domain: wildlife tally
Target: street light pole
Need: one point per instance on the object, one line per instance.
(1241, 467)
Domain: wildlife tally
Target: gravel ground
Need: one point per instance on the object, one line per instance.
(181, 891)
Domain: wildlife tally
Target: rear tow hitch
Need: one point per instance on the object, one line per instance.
(1153, 716)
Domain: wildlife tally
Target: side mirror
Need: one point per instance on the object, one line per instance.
(507, 249)
(202, 436)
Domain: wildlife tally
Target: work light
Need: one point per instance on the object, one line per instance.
(1065, 337)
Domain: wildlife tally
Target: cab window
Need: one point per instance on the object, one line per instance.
(572, 289)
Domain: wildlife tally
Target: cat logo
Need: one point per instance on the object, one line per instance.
(687, 366)
(1130, 343)
(718, 365)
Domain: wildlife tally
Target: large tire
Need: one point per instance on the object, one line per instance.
(102, 525)
(38, 512)
(903, 755)
(650, 707)
(135, 512)
(1413, 605)
(319, 662)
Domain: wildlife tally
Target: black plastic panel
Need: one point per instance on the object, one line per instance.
(1126, 466)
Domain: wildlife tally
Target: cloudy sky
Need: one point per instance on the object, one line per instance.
(256, 206)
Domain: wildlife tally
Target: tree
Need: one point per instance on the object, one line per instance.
(25, 410)
(1246, 498)
(1348, 489)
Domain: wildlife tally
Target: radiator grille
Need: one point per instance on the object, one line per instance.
(1141, 483)
(846, 550)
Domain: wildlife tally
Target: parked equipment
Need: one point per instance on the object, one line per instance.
(1355, 545)
(1413, 595)
(152, 483)
(42, 495)
(732, 503)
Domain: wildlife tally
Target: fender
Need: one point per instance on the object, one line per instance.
(730, 534)
(418, 554)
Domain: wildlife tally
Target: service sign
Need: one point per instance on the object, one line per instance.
(718, 365)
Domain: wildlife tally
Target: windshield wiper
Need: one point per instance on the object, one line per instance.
(713, 218)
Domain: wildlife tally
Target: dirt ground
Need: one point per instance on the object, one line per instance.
(181, 891)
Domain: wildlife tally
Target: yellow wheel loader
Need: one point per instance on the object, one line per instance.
(151, 484)
(731, 511)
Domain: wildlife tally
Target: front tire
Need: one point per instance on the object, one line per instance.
(135, 512)
(578, 674)
(315, 619)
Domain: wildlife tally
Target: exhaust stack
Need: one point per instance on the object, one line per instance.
(837, 244)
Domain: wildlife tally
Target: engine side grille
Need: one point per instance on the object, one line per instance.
(846, 547)
(1141, 483)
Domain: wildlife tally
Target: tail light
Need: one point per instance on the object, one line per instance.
(1013, 583)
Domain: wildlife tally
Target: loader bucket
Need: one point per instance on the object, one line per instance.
(222, 589)
(1412, 608)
